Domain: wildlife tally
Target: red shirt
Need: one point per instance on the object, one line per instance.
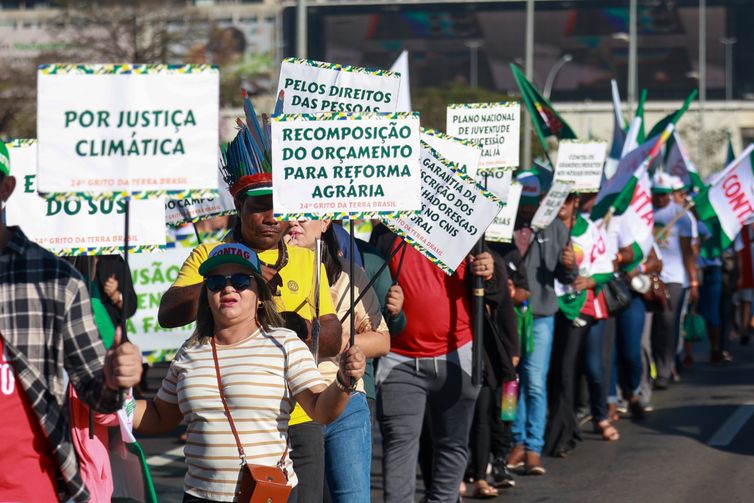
(437, 307)
(747, 271)
(28, 467)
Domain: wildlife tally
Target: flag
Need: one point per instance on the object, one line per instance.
(642, 134)
(616, 194)
(726, 206)
(618, 191)
(619, 133)
(637, 222)
(678, 163)
(404, 92)
(546, 120)
(730, 156)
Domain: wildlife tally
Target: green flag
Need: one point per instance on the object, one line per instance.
(546, 120)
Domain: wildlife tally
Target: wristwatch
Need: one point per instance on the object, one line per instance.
(342, 387)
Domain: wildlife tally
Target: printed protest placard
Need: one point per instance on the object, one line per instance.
(345, 165)
(193, 209)
(315, 87)
(496, 126)
(501, 228)
(580, 163)
(78, 226)
(152, 275)
(127, 128)
(465, 154)
(497, 181)
(550, 205)
(455, 212)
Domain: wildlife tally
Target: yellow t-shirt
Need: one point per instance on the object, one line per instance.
(296, 294)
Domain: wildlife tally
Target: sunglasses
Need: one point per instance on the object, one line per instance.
(238, 281)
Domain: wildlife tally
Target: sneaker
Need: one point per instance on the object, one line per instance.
(534, 464)
(515, 459)
(501, 476)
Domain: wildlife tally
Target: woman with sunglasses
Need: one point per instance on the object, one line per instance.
(263, 369)
(350, 436)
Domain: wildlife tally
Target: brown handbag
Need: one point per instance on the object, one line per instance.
(257, 483)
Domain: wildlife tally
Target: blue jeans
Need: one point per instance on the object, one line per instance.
(348, 452)
(529, 427)
(595, 373)
(629, 325)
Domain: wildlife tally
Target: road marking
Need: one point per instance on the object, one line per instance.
(166, 458)
(730, 428)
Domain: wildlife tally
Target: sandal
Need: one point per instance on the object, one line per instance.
(482, 490)
(607, 430)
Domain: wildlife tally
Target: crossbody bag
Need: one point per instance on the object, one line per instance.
(258, 483)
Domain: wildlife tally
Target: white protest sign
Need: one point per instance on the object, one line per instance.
(78, 226)
(551, 204)
(580, 163)
(345, 165)
(152, 275)
(465, 154)
(455, 212)
(497, 181)
(501, 228)
(127, 128)
(496, 126)
(314, 87)
(194, 209)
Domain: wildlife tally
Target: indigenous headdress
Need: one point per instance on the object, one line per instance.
(246, 162)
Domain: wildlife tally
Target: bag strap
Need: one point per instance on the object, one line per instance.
(241, 453)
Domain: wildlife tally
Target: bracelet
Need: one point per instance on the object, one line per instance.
(342, 387)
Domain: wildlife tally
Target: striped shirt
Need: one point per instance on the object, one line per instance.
(260, 376)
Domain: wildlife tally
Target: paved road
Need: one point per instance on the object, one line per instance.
(697, 446)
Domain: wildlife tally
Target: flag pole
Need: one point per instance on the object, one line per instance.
(477, 305)
(686, 208)
(317, 283)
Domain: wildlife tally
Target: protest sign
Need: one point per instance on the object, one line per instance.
(497, 181)
(455, 212)
(78, 226)
(308, 86)
(152, 275)
(496, 126)
(465, 154)
(188, 210)
(142, 129)
(501, 228)
(551, 204)
(580, 163)
(345, 165)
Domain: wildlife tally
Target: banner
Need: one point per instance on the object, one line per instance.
(455, 212)
(106, 129)
(496, 126)
(152, 275)
(580, 163)
(345, 165)
(78, 226)
(465, 154)
(308, 86)
(501, 228)
(551, 204)
(188, 210)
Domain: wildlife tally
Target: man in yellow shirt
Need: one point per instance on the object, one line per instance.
(290, 273)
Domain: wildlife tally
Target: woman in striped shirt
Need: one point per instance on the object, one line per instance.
(264, 371)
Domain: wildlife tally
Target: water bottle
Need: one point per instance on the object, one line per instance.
(510, 400)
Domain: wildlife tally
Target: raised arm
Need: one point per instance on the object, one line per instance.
(178, 306)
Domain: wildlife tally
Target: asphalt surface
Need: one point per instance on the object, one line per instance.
(697, 446)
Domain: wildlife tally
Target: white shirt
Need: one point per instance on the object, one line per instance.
(673, 270)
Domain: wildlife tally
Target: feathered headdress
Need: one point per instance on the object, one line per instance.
(246, 162)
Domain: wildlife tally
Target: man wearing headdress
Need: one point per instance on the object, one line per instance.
(289, 271)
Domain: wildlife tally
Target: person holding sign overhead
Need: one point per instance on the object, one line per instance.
(349, 437)
(47, 330)
(288, 271)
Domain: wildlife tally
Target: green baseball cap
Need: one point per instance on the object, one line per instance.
(4, 159)
(231, 253)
